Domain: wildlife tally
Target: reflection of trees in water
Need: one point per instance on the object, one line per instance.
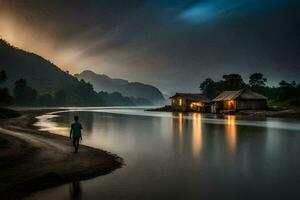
(75, 190)
(251, 144)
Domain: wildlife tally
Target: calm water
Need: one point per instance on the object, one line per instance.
(184, 156)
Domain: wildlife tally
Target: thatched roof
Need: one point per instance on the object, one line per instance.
(192, 97)
(239, 94)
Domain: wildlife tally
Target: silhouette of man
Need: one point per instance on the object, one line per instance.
(76, 133)
(75, 190)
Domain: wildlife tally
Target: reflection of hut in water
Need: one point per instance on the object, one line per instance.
(244, 99)
(231, 130)
(190, 102)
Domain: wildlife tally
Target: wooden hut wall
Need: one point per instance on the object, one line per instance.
(251, 104)
(176, 103)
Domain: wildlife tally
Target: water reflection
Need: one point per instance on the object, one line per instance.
(197, 134)
(180, 124)
(231, 134)
(177, 125)
(211, 157)
(75, 190)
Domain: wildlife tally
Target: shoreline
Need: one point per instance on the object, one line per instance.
(289, 113)
(33, 160)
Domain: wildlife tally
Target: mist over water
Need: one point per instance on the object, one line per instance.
(184, 156)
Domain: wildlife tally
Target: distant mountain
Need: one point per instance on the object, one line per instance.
(45, 77)
(102, 82)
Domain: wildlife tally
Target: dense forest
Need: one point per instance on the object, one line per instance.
(285, 94)
(5, 97)
(25, 95)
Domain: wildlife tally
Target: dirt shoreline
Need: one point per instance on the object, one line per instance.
(32, 160)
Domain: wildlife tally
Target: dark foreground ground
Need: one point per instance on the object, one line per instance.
(32, 160)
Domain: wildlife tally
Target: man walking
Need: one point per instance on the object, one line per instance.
(76, 133)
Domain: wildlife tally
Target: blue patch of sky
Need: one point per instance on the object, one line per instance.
(207, 10)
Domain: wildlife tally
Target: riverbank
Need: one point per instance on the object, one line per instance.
(8, 113)
(292, 112)
(32, 160)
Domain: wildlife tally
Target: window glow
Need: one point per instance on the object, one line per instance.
(196, 104)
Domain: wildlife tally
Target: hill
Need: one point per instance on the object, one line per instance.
(102, 82)
(45, 77)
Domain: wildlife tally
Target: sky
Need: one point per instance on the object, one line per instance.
(172, 44)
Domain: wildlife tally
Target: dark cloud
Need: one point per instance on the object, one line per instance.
(172, 44)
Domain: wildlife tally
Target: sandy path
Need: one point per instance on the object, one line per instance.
(31, 160)
(50, 149)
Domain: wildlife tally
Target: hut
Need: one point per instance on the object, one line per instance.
(186, 102)
(244, 99)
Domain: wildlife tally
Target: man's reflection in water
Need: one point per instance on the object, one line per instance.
(75, 190)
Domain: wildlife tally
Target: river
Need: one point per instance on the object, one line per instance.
(183, 155)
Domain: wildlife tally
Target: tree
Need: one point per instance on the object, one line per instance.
(231, 82)
(284, 84)
(209, 87)
(45, 99)
(60, 97)
(3, 76)
(24, 94)
(5, 98)
(257, 79)
(287, 90)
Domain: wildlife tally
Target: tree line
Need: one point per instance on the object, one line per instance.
(5, 98)
(82, 94)
(285, 94)
(24, 95)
